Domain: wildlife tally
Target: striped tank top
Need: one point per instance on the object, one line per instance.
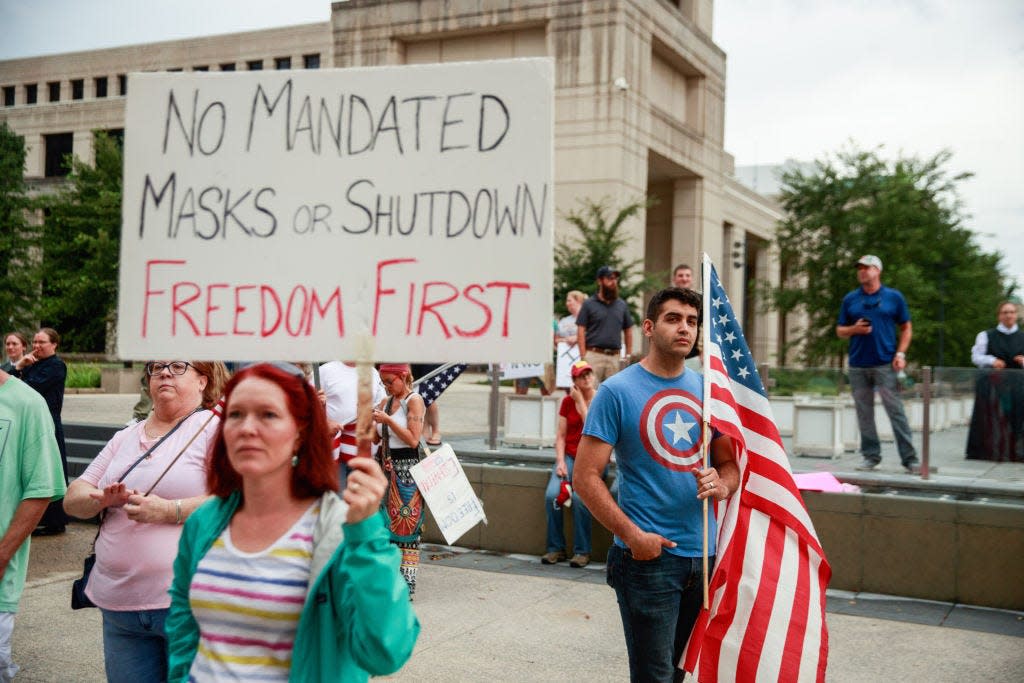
(247, 605)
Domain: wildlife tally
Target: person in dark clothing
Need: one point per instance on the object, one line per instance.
(604, 325)
(997, 423)
(45, 372)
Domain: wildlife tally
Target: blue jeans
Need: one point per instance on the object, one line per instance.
(659, 601)
(581, 519)
(135, 645)
(864, 382)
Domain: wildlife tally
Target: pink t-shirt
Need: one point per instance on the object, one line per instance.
(134, 560)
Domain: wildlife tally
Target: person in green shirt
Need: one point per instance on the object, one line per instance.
(31, 476)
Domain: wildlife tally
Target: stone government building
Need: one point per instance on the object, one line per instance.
(639, 108)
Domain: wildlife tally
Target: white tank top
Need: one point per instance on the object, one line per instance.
(401, 418)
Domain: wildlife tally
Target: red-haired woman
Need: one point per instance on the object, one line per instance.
(277, 577)
(399, 421)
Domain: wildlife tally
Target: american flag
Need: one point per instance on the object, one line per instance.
(766, 619)
(431, 385)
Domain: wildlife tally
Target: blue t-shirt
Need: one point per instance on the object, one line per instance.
(654, 424)
(886, 309)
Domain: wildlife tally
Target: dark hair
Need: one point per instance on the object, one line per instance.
(681, 266)
(51, 333)
(683, 296)
(316, 471)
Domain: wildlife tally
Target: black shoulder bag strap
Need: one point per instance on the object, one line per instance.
(142, 457)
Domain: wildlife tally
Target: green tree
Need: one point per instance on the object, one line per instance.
(598, 243)
(906, 211)
(81, 238)
(17, 237)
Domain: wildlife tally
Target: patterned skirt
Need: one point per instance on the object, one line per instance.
(404, 506)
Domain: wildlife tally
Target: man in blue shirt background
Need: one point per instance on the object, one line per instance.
(870, 317)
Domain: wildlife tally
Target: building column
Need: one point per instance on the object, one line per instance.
(696, 224)
(82, 146)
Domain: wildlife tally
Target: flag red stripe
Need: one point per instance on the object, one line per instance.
(760, 616)
(725, 611)
(824, 574)
(789, 670)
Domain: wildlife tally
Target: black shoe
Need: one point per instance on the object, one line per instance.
(48, 531)
(912, 467)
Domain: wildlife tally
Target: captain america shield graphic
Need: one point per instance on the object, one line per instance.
(670, 429)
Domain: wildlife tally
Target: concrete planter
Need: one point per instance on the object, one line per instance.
(782, 411)
(531, 420)
(818, 429)
(120, 381)
(850, 430)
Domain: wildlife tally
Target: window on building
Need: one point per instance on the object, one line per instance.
(282, 63)
(31, 93)
(54, 87)
(201, 68)
(311, 61)
(122, 84)
(77, 89)
(58, 147)
(227, 66)
(100, 85)
(175, 69)
(254, 65)
(8, 95)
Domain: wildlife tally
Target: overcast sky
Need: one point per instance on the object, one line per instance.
(804, 77)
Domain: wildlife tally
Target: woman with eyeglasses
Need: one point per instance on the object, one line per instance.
(45, 372)
(399, 420)
(281, 576)
(144, 484)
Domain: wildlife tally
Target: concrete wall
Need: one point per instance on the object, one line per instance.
(513, 500)
(953, 551)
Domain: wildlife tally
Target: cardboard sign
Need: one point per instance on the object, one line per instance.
(521, 370)
(285, 214)
(448, 493)
(565, 356)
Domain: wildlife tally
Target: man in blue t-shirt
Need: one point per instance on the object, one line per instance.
(650, 413)
(870, 318)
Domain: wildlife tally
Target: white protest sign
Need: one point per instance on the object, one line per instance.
(565, 356)
(521, 370)
(448, 493)
(284, 214)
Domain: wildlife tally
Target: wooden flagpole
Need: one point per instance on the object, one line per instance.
(705, 358)
(364, 405)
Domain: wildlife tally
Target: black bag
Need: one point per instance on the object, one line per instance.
(79, 600)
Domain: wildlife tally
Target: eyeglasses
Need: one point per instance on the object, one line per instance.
(175, 367)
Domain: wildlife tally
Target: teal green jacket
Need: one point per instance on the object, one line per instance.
(357, 620)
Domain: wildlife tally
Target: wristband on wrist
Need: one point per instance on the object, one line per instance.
(177, 511)
(900, 354)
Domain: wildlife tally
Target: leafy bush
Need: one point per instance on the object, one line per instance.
(83, 376)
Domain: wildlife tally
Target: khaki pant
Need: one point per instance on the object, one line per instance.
(604, 365)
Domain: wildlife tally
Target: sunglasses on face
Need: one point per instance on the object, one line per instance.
(176, 367)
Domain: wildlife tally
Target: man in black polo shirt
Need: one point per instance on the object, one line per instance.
(603, 325)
